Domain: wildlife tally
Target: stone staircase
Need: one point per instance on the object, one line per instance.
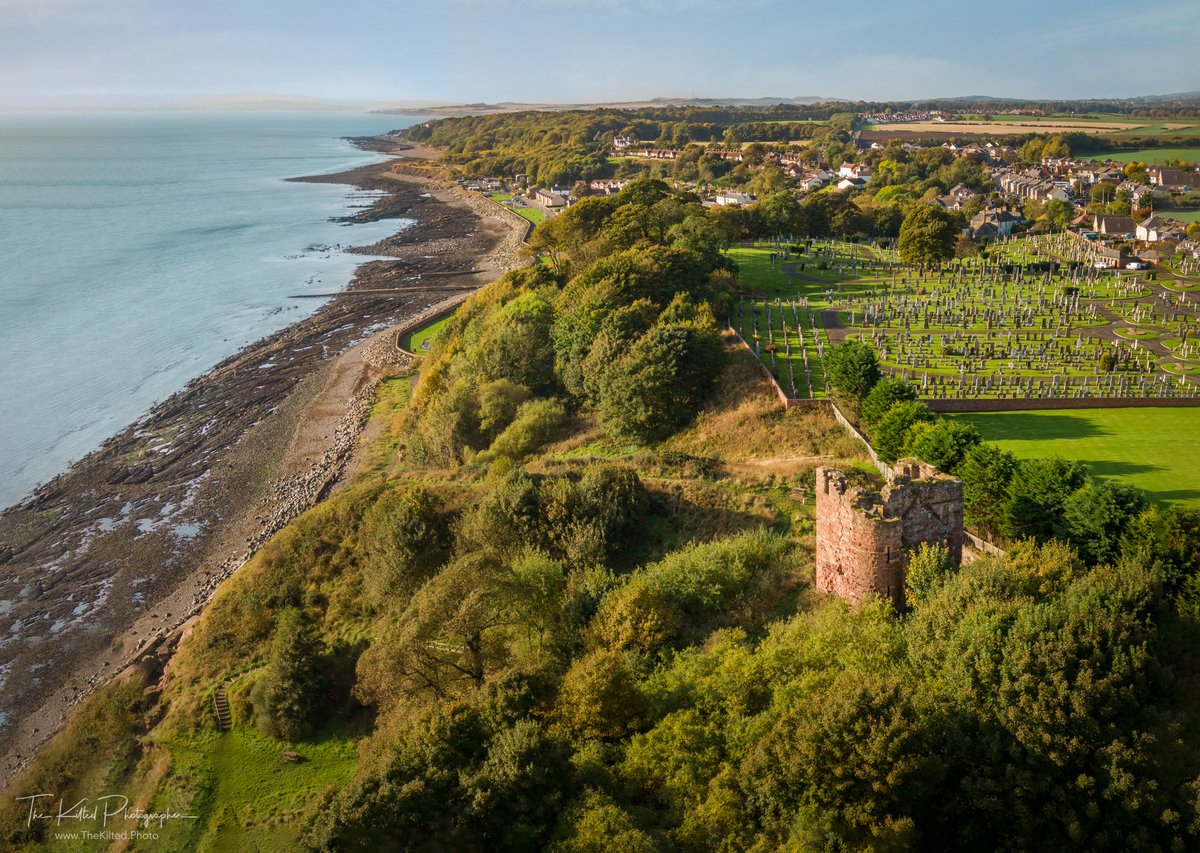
(221, 708)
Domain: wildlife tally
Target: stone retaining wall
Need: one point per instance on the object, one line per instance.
(995, 405)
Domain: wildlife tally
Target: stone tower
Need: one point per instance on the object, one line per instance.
(864, 537)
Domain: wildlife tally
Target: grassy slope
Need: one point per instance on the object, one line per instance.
(1157, 450)
(247, 796)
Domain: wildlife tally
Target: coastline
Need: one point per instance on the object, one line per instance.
(101, 567)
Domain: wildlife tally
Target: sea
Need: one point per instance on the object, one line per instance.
(137, 250)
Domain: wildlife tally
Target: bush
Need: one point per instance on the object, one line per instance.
(535, 425)
(942, 443)
(886, 393)
(890, 436)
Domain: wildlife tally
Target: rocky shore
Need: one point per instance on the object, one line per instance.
(102, 565)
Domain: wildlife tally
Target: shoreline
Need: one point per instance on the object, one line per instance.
(102, 566)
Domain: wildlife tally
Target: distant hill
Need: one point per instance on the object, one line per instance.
(514, 106)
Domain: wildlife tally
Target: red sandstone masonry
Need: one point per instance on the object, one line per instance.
(864, 537)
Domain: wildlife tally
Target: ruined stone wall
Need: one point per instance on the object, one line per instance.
(863, 537)
(929, 505)
(859, 550)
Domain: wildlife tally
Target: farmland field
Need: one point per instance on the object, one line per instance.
(1099, 123)
(1152, 156)
(1004, 128)
(1157, 450)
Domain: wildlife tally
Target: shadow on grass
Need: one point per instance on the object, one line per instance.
(1174, 496)
(1035, 425)
(1112, 468)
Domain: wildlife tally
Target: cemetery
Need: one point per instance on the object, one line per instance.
(1033, 317)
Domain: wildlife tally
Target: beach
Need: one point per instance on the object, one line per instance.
(102, 566)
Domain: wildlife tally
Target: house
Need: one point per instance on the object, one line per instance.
(1109, 257)
(962, 192)
(851, 184)
(1114, 226)
(607, 186)
(992, 223)
(1151, 230)
(549, 198)
(813, 182)
(1174, 179)
(851, 170)
(733, 199)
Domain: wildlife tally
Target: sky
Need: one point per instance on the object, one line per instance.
(563, 51)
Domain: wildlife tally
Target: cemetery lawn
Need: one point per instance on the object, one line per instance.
(1157, 450)
(974, 329)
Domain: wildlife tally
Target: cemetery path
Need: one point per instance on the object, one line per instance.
(789, 269)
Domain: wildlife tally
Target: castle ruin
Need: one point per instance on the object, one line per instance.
(864, 537)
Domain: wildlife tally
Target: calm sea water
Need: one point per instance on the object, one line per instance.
(138, 250)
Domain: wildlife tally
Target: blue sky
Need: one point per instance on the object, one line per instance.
(577, 50)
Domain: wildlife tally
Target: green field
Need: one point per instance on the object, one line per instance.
(1157, 450)
(530, 213)
(419, 340)
(1154, 156)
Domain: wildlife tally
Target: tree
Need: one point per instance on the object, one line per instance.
(596, 824)
(1037, 495)
(515, 793)
(660, 384)
(852, 368)
(1058, 214)
(404, 540)
(600, 699)
(498, 404)
(781, 213)
(965, 247)
(446, 642)
(890, 436)
(290, 695)
(942, 443)
(887, 392)
(927, 236)
(1097, 516)
(986, 472)
(928, 567)
(515, 343)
